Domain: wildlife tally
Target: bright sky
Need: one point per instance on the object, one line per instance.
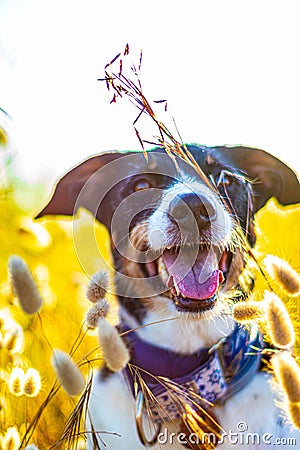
(229, 70)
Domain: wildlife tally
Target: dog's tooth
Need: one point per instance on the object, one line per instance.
(159, 266)
(162, 270)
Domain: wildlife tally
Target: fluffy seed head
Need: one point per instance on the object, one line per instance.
(32, 383)
(68, 373)
(80, 444)
(284, 275)
(115, 352)
(287, 372)
(98, 311)
(16, 382)
(11, 341)
(247, 311)
(31, 447)
(14, 339)
(278, 321)
(11, 440)
(294, 413)
(97, 286)
(24, 285)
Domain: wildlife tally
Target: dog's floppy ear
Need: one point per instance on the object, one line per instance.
(65, 199)
(270, 176)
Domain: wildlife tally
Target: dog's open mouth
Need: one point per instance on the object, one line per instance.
(192, 274)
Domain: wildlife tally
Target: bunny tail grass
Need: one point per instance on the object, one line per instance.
(278, 321)
(98, 311)
(283, 274)
(97, 286)
(287, 373)
(115, 352)
(68, 373)
(247, 311)
(24, 286)
(294, 413)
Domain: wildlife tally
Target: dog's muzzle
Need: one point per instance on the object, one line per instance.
(193, 261)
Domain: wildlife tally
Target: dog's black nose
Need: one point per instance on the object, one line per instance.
(185, 209)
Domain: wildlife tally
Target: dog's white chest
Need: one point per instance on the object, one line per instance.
(249, 419)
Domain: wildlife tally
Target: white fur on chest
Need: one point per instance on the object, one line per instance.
(183, 335)
(182, 332)
(250, 417)
(112, 405)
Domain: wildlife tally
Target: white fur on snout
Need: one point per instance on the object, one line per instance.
(160, 225)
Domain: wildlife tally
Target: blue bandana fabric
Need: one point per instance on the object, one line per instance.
(204, 378)
(203, 387)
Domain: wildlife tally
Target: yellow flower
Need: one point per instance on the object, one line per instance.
(49, 251)
(277, 231)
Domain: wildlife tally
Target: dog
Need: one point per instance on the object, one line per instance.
(180, 236)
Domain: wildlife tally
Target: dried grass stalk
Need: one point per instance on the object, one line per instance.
(130, 87)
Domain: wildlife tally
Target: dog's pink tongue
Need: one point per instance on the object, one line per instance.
(196, 274)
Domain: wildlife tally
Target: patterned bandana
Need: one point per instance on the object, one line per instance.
(203, 378)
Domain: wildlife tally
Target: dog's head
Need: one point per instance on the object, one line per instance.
(174, 233)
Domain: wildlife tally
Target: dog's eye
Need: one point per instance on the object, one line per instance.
(225, 179)
(141, 184)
